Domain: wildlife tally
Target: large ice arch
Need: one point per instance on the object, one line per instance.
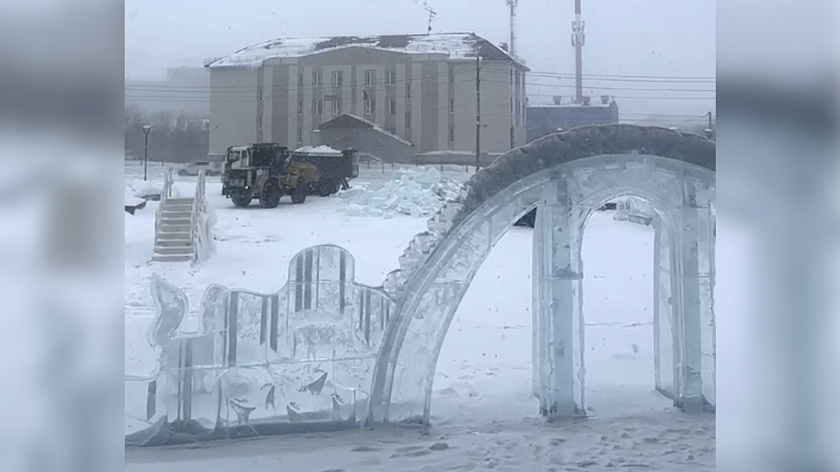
(566, 176)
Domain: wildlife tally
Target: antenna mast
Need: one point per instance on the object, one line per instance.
(512, 4)
(432, 15)
(577, 41)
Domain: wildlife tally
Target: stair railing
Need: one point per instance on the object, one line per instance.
(198, 219)
(164, 196)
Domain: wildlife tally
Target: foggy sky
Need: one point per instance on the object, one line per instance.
(674, 38)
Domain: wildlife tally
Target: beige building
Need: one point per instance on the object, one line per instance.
(420, 88)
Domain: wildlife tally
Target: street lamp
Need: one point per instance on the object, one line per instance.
(146, 129)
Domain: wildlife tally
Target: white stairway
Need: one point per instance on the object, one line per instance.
(174, 232)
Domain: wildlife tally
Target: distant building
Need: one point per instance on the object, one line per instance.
(186, 89)
(349, 131)
(418, 89)
(543, 120)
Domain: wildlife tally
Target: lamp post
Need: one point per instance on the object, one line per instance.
(146, 129)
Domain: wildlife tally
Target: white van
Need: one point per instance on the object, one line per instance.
(209, 168)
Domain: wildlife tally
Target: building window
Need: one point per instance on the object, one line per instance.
(370, 77)
(451, 75)
(518, 108)
(390, 77)
(512, 136)
(316, 79)
(451, 133)
(408, 90)
(317, 107)
(451, 106)
(300, 135)
(407, 119)
(370, 106)
(259, 123)
(300, 79)
(336, 107)
(391, 106)
(300, 107)
(259, 94)
(337, 78)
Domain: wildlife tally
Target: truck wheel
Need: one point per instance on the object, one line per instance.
(270, 196)
(326, 188)
(239, 199)
(299, 194)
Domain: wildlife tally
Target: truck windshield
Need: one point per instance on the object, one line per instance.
(261, 157)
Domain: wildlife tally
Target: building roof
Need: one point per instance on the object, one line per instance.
(455, 45)
(349, 121)
(571, 106)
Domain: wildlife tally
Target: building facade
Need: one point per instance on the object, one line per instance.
(543, 120)
(421, 88)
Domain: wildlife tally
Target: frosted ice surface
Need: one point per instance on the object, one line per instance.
(263, 363)
(674, 196)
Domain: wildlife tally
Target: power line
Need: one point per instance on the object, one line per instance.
(593, 77)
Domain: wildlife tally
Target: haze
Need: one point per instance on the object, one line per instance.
(628, 38)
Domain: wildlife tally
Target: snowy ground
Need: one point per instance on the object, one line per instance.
(483, 414)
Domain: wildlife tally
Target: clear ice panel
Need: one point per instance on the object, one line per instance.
(664, 364)
(590, 182)
(561, 392)
(706, 224)
(443, 285)
(261, 361)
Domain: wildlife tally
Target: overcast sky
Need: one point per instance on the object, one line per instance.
(651, 38)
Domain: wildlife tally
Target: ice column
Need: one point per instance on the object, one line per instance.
(663, 311)
(695, 283)
(554, 364)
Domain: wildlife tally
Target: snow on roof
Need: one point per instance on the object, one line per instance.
(447, 153)
(455, 45)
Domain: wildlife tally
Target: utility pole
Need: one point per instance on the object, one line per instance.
(578, 38)
(477, 112)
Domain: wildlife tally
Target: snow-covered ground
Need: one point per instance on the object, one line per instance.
(483, 414)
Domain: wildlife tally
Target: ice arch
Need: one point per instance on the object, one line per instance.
(566, 176)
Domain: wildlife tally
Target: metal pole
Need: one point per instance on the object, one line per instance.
(577, 42)
(146, 154)
(477, 112)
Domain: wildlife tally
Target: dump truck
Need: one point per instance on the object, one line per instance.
(268, 171)
(335, 168)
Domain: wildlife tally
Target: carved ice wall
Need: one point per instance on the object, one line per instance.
(299, 359)
(565, 176)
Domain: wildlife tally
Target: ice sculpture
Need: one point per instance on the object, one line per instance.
(566, 176)
(325, 352)
(296, 360)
